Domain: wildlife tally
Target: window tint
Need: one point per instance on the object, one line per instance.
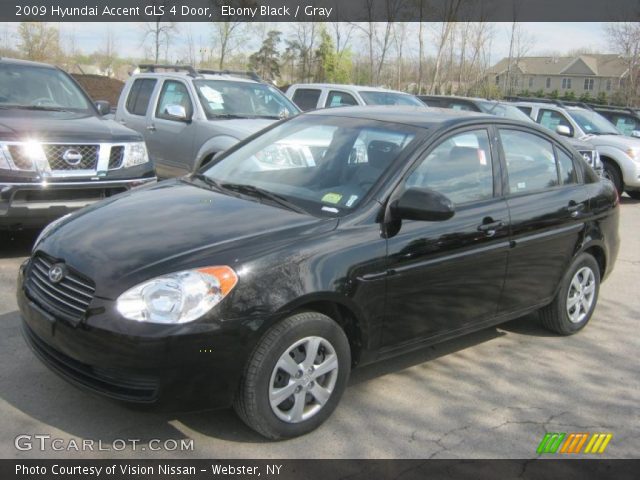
(551, 119)
(173, 93)
(339, 99)
(462, 106)
(460, 168)
(567, 168)
(530, 161)
(526, 110)
(625, 123)
(139, 96)
(306, 98)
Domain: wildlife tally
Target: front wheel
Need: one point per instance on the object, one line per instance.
(611, 172)
(576, 300)
(295, 377)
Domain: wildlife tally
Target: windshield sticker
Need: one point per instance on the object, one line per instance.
(211, 95)
(332, 198)
(329, 209)
(352, 200)
(481, 157)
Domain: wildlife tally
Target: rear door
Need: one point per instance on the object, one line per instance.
(307, 98)
(135, 110)
(547, 205)
(447, 276)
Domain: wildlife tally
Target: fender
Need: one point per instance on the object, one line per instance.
(626, 165)
(214, 145)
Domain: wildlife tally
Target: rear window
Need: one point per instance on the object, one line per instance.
(140, 95)
(306, 98)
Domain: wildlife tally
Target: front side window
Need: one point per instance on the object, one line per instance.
(326, 165)
(460, 168)
(140, 95)
(551, 119)
(306, 98)
(173, 93)
(531, 164)
(27, 86)
(234, 99)
(339, 99)
(389, 98)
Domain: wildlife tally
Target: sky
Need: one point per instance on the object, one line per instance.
(548, 37)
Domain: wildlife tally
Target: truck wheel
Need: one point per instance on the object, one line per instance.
(611, 172)
(295, 376)
(635, 194)
(576, 300)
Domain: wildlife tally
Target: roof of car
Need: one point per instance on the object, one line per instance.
(16, 61)
(551, 106)
(361, 88)
(201, 76)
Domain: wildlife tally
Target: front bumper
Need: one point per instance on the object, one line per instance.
(135, 362)
(34, 204)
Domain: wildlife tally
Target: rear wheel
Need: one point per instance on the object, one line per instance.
(611, 172)
(576, 300)
(295, 377)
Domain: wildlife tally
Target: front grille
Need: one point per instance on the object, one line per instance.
(55, 154)
(588, 156)
(70, 297)
(115, 157)
(112, 383)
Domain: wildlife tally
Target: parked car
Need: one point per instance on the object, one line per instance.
(620, 155)
(262, 288)
(505, 109)
(57, 152)
(627, 120)
(188, 116)
(309, 96)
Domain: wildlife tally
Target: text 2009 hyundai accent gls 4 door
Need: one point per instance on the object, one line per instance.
(330, 240)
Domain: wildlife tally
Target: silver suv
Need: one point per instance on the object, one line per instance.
(187, 116)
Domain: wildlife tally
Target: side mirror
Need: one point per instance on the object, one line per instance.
(635, 133)
(176, 111)
(422, 204)
(104, 107)
(563, 130)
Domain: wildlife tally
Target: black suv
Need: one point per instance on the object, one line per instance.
(57, 152)
(332, 239)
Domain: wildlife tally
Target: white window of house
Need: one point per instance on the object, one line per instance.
(566, 83)
(530, 82)
(608, 85)
(497, 79)
(588, 83)
(548, 83)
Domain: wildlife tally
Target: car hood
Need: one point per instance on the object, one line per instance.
(45, 126)
(617, 141)
(171, 226)
(241, 128)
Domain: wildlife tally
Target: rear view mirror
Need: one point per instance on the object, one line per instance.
(563, 130)
(176, 111)
(103, 107)
(422, 204)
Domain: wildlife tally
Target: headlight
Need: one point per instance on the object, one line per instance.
(178, 297)
(135, 154)
(25, 156)
(46, 230)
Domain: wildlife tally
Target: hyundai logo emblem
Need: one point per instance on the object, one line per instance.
(72, 157)
(57, 273)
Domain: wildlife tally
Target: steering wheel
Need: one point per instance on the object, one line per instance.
(42, 101)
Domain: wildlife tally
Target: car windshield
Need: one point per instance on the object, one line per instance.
(226, 98)
(324, 165)
(389, 98)
(593, 123)
(40, 88)
(502, 110)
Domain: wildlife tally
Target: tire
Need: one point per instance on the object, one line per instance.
(612, 173)
(286, 344)
(635, 194)
(560, 316)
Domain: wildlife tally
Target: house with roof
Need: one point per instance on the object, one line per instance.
(593, 73)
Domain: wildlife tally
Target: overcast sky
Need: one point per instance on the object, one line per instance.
(548, 37)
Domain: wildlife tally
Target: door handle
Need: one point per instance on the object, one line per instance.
(151, 128)
(574, 209)
(490, 227)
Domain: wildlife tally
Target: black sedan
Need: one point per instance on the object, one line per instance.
(330, 240)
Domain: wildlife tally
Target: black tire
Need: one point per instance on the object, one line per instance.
(555, 316)
(252, 399)
(612, 172)
(635, 194)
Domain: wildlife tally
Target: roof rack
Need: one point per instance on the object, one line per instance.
(554, 101)
(615, 107)
(151, 67)
(241, 73)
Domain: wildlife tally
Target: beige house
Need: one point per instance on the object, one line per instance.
(593, 73)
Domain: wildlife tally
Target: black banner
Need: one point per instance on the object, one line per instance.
(575, 469)
(318, 10)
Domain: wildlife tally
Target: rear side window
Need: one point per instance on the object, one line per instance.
(531, 164)
(625, 123)
(551, 119)
(567, 169)
(139, 96)
(526, 110)
(339, 99)
(463, 106)
(306, 98)
(460, 168)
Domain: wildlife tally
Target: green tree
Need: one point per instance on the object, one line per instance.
(539, 93)
(266, 60)
(569, 95)
(554, 94)
(601, 98)
(331, 66)
(586, 98)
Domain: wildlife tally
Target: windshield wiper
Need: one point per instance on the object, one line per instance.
(209, 181)
(36, 107)
(261, 192)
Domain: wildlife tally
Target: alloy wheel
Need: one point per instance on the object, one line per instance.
(581, 294)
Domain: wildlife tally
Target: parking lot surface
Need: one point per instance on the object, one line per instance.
(492, 394)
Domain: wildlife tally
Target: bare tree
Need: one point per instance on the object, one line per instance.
(161, 35)
(399, 39)
(342, 32)
(443, 33)
(39, 41)
(227, 35)
(624, 38)
(108, 54)
(520, 43)
(421, 9)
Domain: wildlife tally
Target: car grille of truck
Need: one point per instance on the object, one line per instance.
(55, 156)
(115, 157)
(588, 156)
(68, 298)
